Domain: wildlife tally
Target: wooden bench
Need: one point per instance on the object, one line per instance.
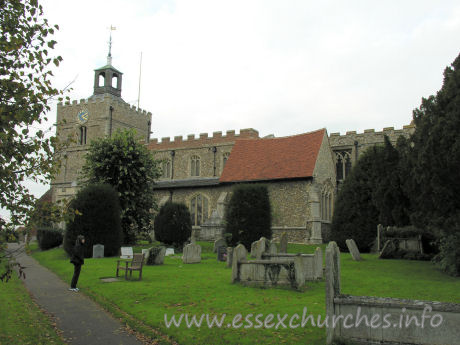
(134, 265)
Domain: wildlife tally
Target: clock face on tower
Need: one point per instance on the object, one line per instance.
(82, 116)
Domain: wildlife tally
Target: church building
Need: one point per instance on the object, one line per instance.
(302, 172)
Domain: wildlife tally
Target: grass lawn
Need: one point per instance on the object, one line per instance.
(21, 320)
(175, 288)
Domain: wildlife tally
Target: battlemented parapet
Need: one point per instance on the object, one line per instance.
(202, 140)
(369, 136)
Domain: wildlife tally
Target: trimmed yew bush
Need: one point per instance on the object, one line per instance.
(97, 217)
(49, 238)
(173, 224)
(248, 215)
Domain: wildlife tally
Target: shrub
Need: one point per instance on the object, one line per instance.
(49, 238)
(173, 224)
(97, 217)
(248, 215)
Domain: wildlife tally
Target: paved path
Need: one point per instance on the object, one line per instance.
(81, 320)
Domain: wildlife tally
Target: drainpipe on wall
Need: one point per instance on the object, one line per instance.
(110, 121)
(214, 150)
(356, 151)
(173, 153)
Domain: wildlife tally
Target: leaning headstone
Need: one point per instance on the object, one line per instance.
(229, 256)
(156, 256)
(169, 251)
(219, 243)
(283, 242)
(353, 249)
(126, 253)
(221, 253)
(98, 251)
(272, 249)
(388, 250)
(239, 254)
(191, 254)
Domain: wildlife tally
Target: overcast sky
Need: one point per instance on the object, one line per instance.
(281, 67)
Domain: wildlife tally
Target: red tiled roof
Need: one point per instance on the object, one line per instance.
(274, 158)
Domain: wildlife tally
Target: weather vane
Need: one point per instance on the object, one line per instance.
(109, 57)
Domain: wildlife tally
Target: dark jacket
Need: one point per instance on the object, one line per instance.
(78, 255)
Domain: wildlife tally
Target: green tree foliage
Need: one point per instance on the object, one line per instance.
(126, 164)
(248, 214)
(355, 215)
(97, 217)
(49, 238)
(173, 224)
(26, 62)
(372, 194)
(435, 161)
(387, 192)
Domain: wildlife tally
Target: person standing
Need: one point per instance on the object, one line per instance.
(77, 259)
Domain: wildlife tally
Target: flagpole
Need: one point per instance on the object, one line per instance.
(139, 90)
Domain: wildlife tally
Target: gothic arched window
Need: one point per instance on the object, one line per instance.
(199, 209)
(195, 166)
(166, 169)
(343, 164)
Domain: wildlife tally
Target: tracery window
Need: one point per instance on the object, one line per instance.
(195, 166)
(166, 169)
(327, 204)
(199, 209)
(343, 164)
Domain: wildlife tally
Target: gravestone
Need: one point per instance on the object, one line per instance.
(318, 263)
(156, 256)
(239, 254)
(253, 249)
(192, 254)
(98, 251)
(388, 249)
(221, 253)
(379, 234)
(260, 248)
(126, 253)
(272, 249)
(146, 253)
(283, 242)
(219, 243)
(353, 249)
(169, 251)
(229, 256)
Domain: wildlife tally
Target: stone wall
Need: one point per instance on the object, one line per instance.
(387, 321)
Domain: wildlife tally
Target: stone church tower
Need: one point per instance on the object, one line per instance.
(98, 116)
